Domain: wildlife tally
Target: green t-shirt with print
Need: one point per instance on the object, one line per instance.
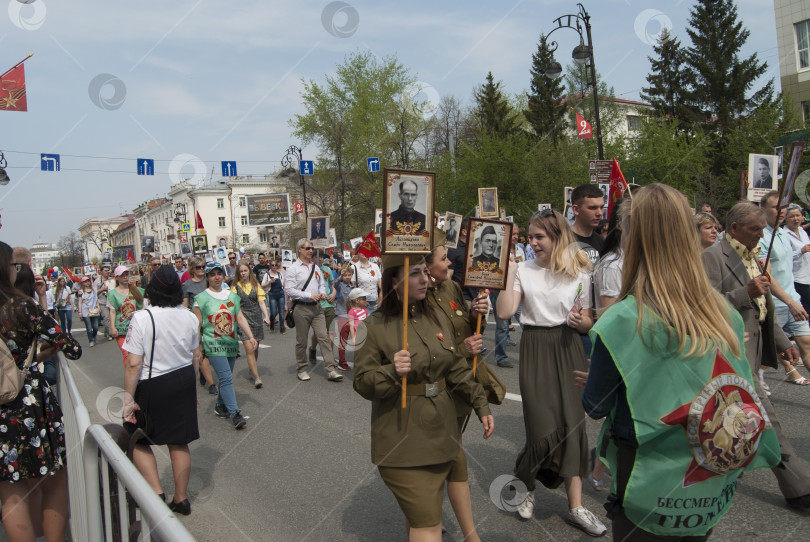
(125, 306)
(219, 328)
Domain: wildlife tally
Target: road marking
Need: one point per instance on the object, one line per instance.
(514, 397)
(265, 346)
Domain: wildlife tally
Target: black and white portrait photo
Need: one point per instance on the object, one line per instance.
(452, 227)
(148, 243)
(200, 244)
(761, 175)
(407, 217)
(318, 228)
(487, 254)
(488, 202)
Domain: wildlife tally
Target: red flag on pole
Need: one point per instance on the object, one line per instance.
(131, 258)
(617, 185)
(345, 247)
(298, 207)
(583, 127)
(199, 222)
(331, 252)
(70, 275)
(369, 247)
(12, 90)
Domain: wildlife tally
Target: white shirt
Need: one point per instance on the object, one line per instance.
(367, 279)
(297, 276)
(801, 260)
(177, 336)
(607, 277)
(547, 297)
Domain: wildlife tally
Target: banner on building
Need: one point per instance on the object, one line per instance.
(268, 209)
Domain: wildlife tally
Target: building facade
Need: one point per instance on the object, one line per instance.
(793, 38)
(43, 256)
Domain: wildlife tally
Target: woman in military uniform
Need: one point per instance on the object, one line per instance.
(445, 297)
(415, 448)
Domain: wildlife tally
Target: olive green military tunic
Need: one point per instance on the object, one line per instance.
(426, 431)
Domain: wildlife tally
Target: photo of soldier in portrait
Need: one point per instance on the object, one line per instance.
(762, 177)
(451, 233)
(487, 242)
(200, 243)
(406, 213)
(318, 230)
(488, 203)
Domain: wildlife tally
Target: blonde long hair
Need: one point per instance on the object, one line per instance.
(254, 284)
(664, 271)
(566, 256)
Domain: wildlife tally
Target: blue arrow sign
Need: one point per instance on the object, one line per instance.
(229, 169)
(373, 164)
(49, 162)
(146, 166)
(306, 167)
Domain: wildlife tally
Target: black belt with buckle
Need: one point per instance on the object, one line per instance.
(431, 389)
(306, 302)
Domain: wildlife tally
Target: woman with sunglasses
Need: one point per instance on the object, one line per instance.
(254, 309)
(275, 296)
(219, 312)
(555, 289)
(191, 287)
(33, 483)
(123, 301)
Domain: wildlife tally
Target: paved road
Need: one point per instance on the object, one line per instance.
(301, 469)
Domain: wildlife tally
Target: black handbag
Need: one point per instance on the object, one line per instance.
(143, 420)
(288, 319)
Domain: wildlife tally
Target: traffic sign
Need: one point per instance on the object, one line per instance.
(186, 226)
(229, 169)
(49, 162)
(599, 171)
(108, 249)
(373, 164)
(306, 167)
(146, 166)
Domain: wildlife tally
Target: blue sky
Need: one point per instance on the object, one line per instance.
(220, 80)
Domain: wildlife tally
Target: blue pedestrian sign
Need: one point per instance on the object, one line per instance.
(186, 226)
(229, 169)
(146, 166)
(306, 167)
(49, 162)
(373, 164)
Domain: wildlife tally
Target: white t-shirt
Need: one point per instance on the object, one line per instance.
(367, 279)
(178, 335)
(607, 277)
(547, 297)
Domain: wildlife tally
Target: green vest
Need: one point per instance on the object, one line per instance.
(219, 328)
(698, 422)
(125, 306)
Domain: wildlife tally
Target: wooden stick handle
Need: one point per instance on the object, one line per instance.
(405, 329)
(477, 331)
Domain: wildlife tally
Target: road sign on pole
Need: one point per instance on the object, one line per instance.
(306, 167)
(186, 226)
(49, 162)
(146, 166)
(229, 169)
(373, 164)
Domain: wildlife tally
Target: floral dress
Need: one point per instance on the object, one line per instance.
(32, 436)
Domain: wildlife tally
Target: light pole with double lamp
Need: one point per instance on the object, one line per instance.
(287, 162)
(582, 55)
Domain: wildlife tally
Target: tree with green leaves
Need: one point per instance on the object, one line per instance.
(722, 77)
(545, 110)
(669, 80)
(495, 116)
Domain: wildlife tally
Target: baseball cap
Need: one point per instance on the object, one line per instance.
(356, 293)
(120, 270)
(210, 266)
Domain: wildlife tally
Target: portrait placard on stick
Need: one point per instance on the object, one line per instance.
(408, 201)
(761, 177)
(318, 228)
(488, 202)
(332, 238)
(487, 257)
(200, 243)
(796, 152)
(452, 226)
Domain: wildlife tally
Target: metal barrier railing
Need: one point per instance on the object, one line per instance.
(100, 504)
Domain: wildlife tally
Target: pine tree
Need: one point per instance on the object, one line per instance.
(545, 111)
(494, 113)
(669, 80)
(722, 77)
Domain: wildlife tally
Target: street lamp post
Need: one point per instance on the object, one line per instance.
(179, 219)
(287, 163)
(582, 54)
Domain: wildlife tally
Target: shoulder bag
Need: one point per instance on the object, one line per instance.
(143, 420)
(289, 320)
(12, 379)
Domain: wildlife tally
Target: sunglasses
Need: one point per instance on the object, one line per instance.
(231, 257)
(155, 265)
(308, 248)
(199, 267)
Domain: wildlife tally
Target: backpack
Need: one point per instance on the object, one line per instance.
(12, 378)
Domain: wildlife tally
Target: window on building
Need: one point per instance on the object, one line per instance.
(222, 222)
(263, 236)
(244, 221)
(245, 239)
(242, 201)
(633, 123)
(806, 113)
(803, 43)
(220, 203)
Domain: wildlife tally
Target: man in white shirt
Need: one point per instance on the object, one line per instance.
(308, 311)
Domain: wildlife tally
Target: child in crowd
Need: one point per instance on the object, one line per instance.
(356, 306)
(342, 289)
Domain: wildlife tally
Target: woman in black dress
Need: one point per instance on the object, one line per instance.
(32, 436)
(255, 310)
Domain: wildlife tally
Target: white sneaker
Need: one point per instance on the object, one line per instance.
(303, 376)
(526, 509)
(582, 518)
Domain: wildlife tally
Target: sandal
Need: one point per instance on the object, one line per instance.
(598, 485)
(799, 381)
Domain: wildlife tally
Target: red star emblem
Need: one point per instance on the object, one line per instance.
(723, 424)
(222, 322)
